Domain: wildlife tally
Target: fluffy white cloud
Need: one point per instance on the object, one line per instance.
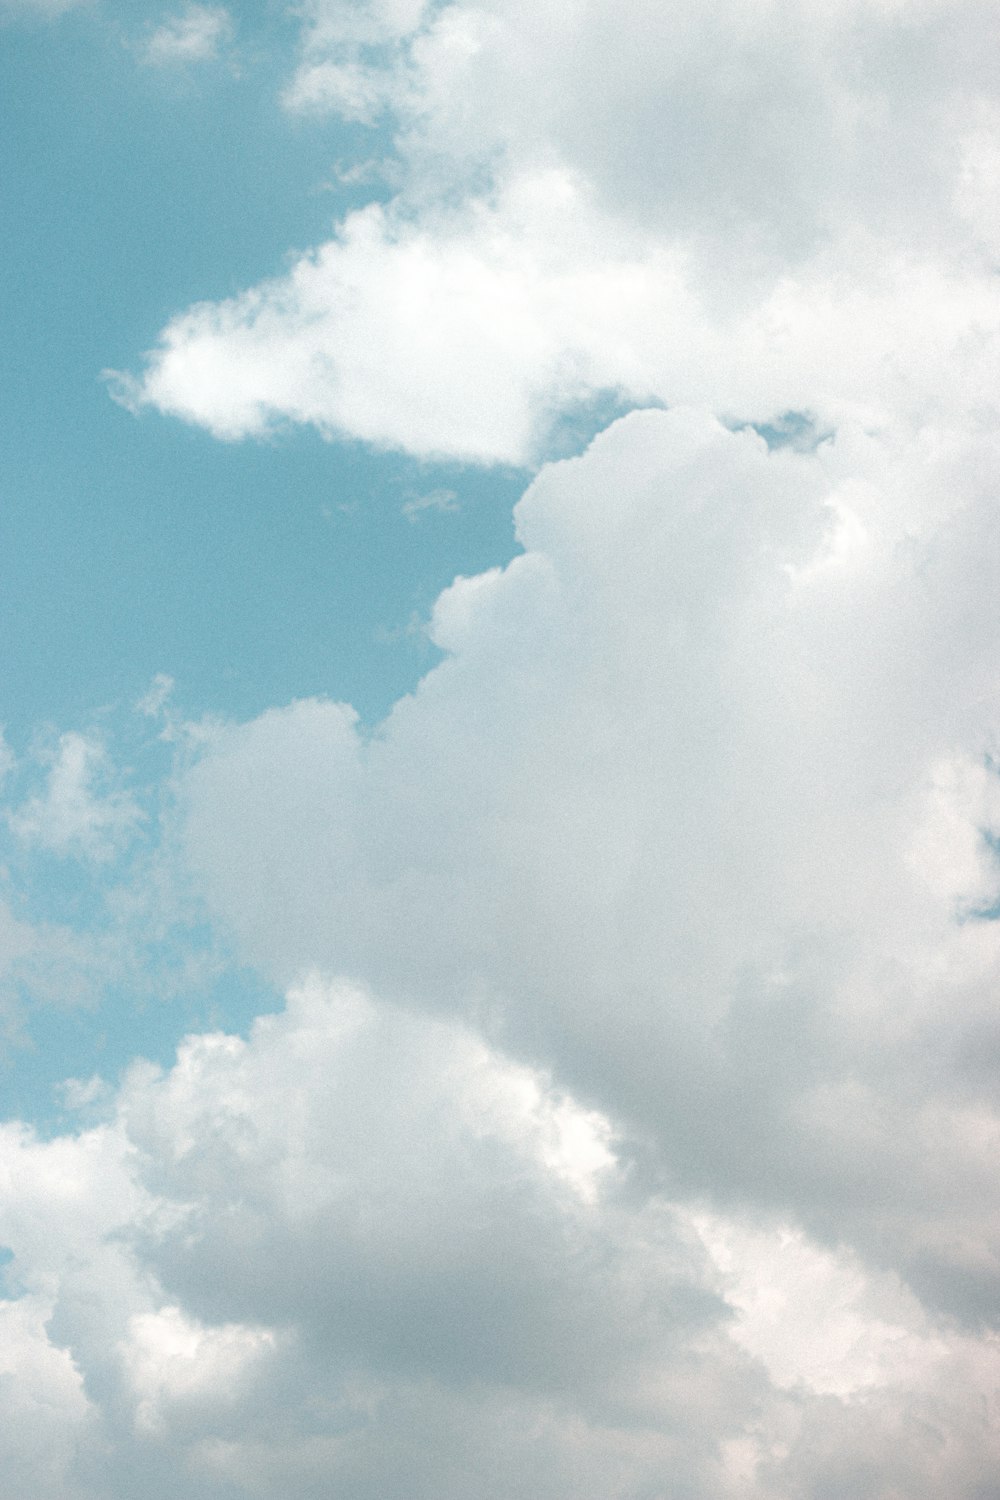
(43, 1409)
(753, 207)
(697, 818)
(698, 810)
(286, 1250)
(465, 338)
(363, 1250)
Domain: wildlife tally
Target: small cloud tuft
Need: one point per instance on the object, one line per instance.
(195, 34)
(154, 701)
(443, 501)
(74, 815)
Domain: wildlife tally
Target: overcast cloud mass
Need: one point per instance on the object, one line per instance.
(630, 1125)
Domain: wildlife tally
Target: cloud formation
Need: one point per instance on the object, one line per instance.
(361, 1249)
(752, 208)
(699, 810)
(632, 1124)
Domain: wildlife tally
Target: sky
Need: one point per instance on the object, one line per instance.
(500, 772)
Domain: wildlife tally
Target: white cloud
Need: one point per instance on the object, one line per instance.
(44, 1411)
(194, 34)
(753, 208)
(693, 820)
(819, 1319)
(342, 1252)
(290, 1247)
(465, 338)
(173, 1361)
(76, 815)
(697, 817)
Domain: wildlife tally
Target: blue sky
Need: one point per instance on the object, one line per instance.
(250, 574)
(498, 789)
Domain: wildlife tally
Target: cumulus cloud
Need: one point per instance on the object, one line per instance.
(751, 207)
(700, 809)
(465, 339)
(648, 1144)
(363, 1249)
(284, 1251)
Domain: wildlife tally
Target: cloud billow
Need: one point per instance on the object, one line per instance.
(697, 811)
(746, 206)
(631, 1125)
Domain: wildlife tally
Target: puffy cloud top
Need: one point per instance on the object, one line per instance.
(756, 207)
(700, 809)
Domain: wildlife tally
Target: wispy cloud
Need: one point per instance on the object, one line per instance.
(443, 502)
(195, 34)
(79, 812)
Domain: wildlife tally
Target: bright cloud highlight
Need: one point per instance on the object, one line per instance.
(753, 209)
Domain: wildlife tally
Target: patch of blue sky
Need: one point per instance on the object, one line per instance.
(64, 881)
(251, 573)
(112, 957)
(94, 1045)
(131, 548)
(792, 429)
(578, 422)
